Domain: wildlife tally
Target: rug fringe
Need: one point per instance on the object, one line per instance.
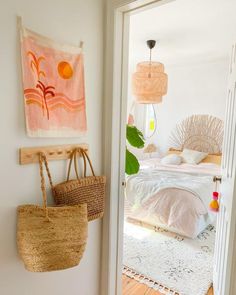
(148, 281)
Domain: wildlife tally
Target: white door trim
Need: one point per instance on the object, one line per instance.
(116, 51)
(224, 265)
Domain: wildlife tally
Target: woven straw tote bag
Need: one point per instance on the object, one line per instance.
(51, 238)
(86, 189)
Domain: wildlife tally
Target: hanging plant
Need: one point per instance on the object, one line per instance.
(135, 139)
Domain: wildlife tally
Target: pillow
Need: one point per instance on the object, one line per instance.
(171, 160)
(192, 157)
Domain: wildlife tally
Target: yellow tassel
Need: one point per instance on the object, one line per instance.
(214, 205)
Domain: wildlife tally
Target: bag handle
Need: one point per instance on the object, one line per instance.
(74, 157)
(43, 160)
(80, 151)
(69, 167)
(88, 159)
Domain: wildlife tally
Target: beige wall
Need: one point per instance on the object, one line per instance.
(66, 21)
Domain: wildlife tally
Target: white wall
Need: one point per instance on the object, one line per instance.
(67, 21)
(194, 43)
(194, 88)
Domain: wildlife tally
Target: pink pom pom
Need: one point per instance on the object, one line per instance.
(215, 196)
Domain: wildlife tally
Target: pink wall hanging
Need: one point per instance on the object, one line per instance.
(53, 83)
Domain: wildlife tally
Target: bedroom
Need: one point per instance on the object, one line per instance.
(195, 51)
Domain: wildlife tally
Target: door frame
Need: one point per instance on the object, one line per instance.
(115, 91)
(115, 103)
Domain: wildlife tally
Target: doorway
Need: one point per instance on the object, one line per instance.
(120, 108)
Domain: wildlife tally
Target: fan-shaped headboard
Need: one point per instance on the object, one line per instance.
(199, 132)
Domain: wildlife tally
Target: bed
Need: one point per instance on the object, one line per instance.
(176, 197)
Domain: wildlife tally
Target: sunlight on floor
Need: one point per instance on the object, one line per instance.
(138, 232)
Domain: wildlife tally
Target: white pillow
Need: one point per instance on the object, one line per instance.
(171, 159)
(192, 157)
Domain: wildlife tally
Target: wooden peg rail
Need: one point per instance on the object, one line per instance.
(55, 152)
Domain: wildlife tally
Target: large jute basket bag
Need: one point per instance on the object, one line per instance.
(86, 189)
(51, 238)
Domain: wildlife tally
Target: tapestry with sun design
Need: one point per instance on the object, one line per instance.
(53, 82)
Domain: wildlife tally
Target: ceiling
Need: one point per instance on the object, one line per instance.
(186, 31)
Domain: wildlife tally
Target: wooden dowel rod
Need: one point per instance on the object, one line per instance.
(28, 155)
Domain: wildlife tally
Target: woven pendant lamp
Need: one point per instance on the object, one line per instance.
(149, 82)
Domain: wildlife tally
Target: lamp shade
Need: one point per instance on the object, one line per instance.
(149, 83)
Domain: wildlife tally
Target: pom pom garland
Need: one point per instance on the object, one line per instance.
(214, 204)
(215, 194)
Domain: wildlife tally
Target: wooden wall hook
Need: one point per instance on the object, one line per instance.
(28, 155)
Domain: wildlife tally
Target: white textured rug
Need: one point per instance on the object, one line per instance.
(167, 262)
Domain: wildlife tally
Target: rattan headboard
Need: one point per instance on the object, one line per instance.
(203, 133)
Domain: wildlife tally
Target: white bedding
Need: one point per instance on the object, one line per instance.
(202, 168)
(174, 197)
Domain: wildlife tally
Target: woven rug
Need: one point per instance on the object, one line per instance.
(168, 262)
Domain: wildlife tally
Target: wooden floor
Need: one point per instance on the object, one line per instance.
(132, 287)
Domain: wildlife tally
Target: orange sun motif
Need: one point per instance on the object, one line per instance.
(65, 70)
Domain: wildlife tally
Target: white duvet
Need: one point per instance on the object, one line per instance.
(174, 199)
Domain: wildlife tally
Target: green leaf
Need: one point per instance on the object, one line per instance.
(131, 164)
(134, 136)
